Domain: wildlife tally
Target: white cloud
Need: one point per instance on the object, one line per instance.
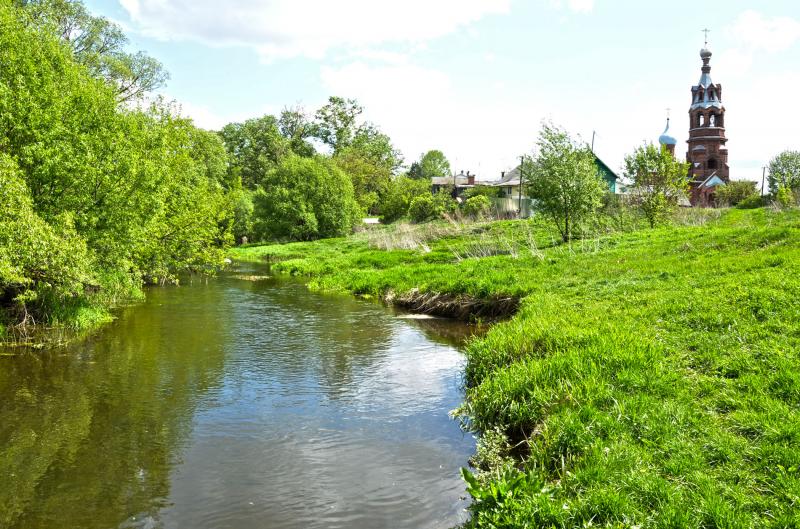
(310, 28)
(757, 32)
(754, 33)
(578, 6)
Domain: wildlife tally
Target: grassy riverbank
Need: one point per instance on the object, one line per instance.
(648, 379)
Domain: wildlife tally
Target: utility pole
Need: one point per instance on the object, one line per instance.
(521, 171)
(763, 177)
(593, 134)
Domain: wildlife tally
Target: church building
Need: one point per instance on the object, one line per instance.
(707, 154)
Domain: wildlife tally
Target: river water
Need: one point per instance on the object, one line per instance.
(239, 402)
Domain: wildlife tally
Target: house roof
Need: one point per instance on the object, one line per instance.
(713, 181)
(605, 167)
(512, 177)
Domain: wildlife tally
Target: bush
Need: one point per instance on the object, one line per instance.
(484, 191)
(305, 199)
(734, 192)
(423, 207)
(397, 199)
(751, 202)
(444, 202)
(477, 206)
(784, 197)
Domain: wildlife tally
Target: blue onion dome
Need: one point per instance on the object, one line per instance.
(705, 53)
(665, 138)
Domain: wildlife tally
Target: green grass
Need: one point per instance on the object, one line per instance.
(650, 378)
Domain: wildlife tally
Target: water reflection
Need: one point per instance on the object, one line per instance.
(236, 403)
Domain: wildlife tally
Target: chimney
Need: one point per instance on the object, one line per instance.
(470, 179)
(502, 174)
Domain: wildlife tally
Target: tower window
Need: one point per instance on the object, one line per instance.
(701, 120)
(712, 163)
(712, 120)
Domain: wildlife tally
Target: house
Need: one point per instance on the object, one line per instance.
(457, 184)
(509, 200)
(610, 177)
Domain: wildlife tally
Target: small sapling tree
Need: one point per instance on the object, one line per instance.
(659, 181)
(563, 180)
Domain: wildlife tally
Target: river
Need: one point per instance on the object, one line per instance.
(238, 402)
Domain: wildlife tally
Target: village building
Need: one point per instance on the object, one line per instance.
(457, 184)
(510, 201)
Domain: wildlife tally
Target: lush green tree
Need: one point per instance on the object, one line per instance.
(336, 123)
(736, 191)
(370, 161)
(305, 199)
(298, 129)
(563, 180)
(255, 147)
(784, 171)
(370, 181)
(415, 171)
(377, 147)
(208, 149)
(39, 262)
(394, 204)
(432, 164)
(659, 181)
(98, 44)
(133, 194)
(241, 206)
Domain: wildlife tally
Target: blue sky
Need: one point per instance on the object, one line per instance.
(475, 78)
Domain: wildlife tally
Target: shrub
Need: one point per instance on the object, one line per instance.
(423, 208)
(734, 192)
(444, 202)
(477, 206)
(482, 190)
(399, 194)
(784, 197)
(751, 202)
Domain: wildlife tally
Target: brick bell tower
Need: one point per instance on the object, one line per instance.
(707, 154)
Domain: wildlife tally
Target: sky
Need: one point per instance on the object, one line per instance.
(476, 78)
